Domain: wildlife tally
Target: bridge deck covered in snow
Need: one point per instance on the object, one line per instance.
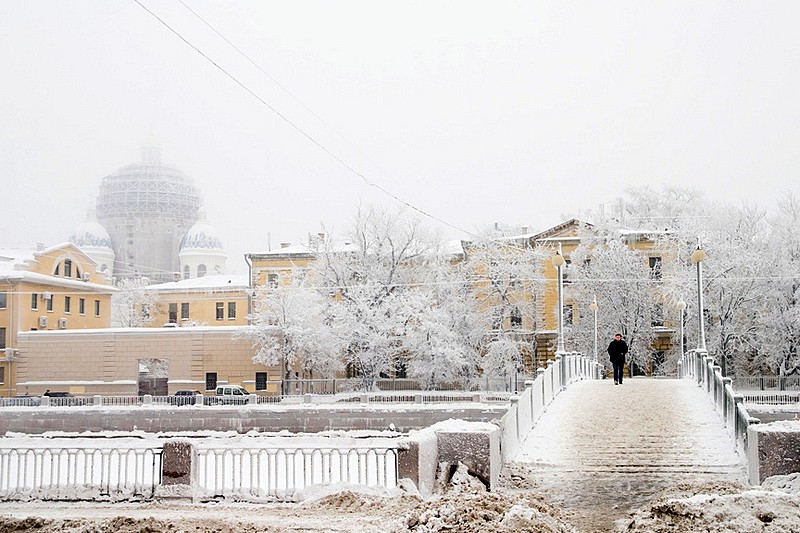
(601, 450)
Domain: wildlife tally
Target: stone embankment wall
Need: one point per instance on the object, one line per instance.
(242, 419)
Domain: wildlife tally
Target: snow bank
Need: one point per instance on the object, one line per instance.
(721, 509)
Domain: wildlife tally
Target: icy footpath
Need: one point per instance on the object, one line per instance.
(602, 450)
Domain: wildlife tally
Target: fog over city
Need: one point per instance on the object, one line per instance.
(288, 115)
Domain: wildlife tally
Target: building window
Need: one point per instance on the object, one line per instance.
(272, 281)
(82, 306)
(34, 301)
(655, 267)
(97, 308)
(211, 380)
(2, 338)
(261, 381)
(67, 268)
(67, 304)
(220, 310)
(201, 271)
(568, 318)
(58, 270)
(186, 272)
(231, 310)
(2, 374)
(50, 303)
(172, 317)
(3, 300)
(516, 319)
(185, 311)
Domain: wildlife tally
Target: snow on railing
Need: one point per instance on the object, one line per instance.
(529, 406)
(278, 472)
(699, 366)
(57, 471)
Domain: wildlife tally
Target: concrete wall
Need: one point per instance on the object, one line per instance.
(772, 450)
(239, 419)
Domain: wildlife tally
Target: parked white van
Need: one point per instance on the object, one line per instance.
(231, 390)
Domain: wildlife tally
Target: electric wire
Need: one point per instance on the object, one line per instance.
(297, 128)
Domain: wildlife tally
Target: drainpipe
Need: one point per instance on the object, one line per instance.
(249, 288)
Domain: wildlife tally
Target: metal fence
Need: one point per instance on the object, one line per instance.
(61, 472)
(277, 472)
(766, 383)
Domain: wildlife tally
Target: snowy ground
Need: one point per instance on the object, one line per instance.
(647, 456)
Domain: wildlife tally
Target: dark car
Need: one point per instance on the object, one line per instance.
(185, 397)
(57, 394)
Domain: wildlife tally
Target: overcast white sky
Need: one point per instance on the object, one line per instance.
(475, 112)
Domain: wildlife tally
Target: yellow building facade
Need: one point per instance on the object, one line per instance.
(45, 289)
(216, 300)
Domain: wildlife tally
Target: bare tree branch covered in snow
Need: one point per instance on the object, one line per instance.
(135, 305)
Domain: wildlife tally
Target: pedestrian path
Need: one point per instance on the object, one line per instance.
(601, 450)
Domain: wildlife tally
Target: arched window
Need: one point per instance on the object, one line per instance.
(201, 271)
(186, 272)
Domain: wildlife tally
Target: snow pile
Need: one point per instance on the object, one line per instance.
(485, 512)
(719, 508)
(789, 484)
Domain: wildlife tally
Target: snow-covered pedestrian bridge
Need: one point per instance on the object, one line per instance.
(601, 449)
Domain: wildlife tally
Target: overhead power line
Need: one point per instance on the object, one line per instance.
(297, 128)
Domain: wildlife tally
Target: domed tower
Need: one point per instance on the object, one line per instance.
(147, 207)
(201, 252)
(95, 242)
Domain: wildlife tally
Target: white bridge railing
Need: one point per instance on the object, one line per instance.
(58, 471)
(278, 472)
(529, 406)
(699, 366)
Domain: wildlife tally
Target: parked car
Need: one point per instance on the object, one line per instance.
(185, 397)
(235, 394)
(57, 394)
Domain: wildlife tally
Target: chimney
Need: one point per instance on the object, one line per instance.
(526, 229)
(285, 244)
(176, 276)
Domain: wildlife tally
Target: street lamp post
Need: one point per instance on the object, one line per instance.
(593, 307)
(559, 262)
(698, 256)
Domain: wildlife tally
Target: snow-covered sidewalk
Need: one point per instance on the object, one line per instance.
(602, 450)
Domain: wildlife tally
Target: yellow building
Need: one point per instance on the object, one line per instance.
(278, 267)
(218, 300)
(55, 288)
(130, 361)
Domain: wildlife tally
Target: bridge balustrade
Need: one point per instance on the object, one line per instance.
(699, 366)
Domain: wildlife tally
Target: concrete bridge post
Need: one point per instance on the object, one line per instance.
(726, 383)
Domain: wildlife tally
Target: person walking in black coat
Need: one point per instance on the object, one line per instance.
(616, 351)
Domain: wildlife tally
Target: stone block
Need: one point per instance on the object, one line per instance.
(772, 449)
(474, 444)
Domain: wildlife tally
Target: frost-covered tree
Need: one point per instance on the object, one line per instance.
(135, 305)
(445, 338)
(372, 281)
(605, 268)
(288, 328)
(778, 332)
(507, 274)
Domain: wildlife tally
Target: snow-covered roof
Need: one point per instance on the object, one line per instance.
(217, 282)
